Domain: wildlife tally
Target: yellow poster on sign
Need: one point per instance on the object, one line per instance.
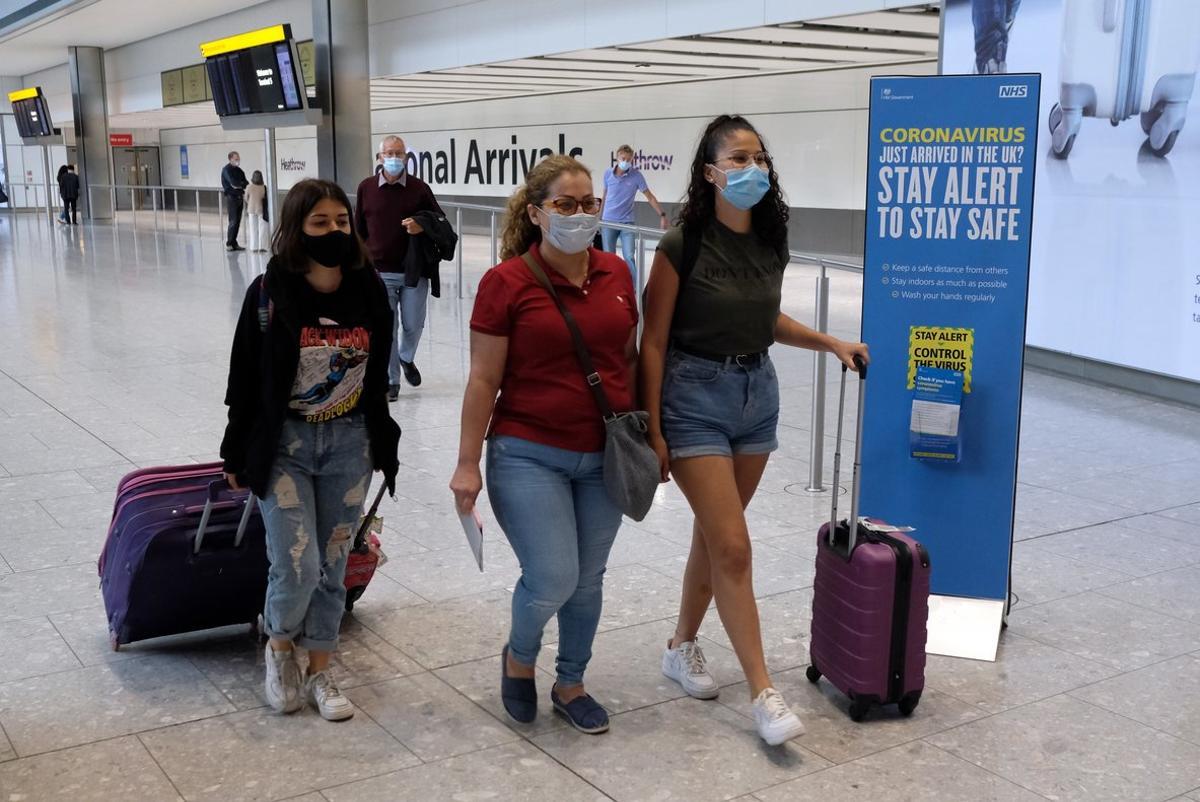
(941, 347)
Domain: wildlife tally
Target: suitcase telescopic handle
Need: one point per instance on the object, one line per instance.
(214, 492)
(852, 524)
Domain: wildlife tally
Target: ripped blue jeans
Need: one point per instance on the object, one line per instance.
(311, 512)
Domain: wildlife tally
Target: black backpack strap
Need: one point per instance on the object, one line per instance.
(691, 253)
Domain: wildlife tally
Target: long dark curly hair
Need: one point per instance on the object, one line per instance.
(769, 217)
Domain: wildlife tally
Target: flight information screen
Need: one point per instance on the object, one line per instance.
(33, 116)
(258, 80)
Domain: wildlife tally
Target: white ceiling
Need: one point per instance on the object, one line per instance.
(102, 23)
(865, 39)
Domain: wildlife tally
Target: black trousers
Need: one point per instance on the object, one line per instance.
(236, 204)
(71, 210)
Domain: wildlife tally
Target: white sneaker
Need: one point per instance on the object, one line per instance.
(283, 681)
(327, 698)
(685, 664)
(775, 720)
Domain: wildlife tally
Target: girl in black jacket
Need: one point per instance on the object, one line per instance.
(308, 422)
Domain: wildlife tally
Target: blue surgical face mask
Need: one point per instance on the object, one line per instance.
(394, 165)
(745, 187)
(623, 165)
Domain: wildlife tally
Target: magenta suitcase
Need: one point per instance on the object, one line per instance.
(870, 601)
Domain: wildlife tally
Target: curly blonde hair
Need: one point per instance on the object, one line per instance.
(519, 231)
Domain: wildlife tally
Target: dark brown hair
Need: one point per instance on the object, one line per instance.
(288, 243)
(519, 231)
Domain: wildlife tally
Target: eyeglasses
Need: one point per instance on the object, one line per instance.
(569, 206)
(741, 158)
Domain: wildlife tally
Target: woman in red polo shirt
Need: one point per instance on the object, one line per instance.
(546, 439)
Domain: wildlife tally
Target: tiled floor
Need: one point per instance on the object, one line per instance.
(115, 352)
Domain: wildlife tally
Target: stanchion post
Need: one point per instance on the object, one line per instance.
(492, 226)
(816, 448)
(458, 254)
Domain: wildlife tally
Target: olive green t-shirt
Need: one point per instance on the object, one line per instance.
(730, 302)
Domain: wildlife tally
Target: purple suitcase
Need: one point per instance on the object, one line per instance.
(870, 601)
(184, 553)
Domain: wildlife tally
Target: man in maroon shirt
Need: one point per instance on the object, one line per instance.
(383, 216)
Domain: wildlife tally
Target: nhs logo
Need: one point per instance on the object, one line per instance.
(1014, 90)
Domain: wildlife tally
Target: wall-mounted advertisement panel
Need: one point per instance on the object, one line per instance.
(1115, 275)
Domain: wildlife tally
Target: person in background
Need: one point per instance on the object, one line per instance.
(62, 170)
(993, 21)
(713, 395)
(233, 186)
(544, 432)
(319, 322)
(383, 216)
(256, 208)
(69, 187)
(622, 182)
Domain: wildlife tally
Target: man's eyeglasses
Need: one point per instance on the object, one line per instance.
(741, 158)
(569, 206)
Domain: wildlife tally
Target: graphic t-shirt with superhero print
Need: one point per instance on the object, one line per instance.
(334, 346)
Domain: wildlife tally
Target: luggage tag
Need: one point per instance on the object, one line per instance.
(882, 528)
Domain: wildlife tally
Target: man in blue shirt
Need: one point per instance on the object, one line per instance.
(621, 186)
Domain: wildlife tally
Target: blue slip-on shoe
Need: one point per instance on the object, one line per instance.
(584, 713)
(518, 695)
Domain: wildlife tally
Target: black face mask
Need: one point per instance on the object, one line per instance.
(331, 250)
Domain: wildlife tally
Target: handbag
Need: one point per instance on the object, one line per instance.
(631, 470)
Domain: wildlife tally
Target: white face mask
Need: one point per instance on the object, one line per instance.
(571, 233)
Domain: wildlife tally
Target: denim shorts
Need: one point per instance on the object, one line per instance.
(719, 408)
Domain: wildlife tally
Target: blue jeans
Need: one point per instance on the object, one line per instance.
(992, 19)
(609, 237)
(408, 306)
(311, 512)
(558, 518)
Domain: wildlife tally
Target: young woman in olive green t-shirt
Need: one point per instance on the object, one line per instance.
(713, 394)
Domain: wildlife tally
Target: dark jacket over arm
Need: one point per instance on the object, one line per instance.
(427, 250)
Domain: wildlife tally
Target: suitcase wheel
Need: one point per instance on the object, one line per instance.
(353, 595)
(909, 703)
(1063, 130)
(1166, 148)
(813, 674)
(858, 709)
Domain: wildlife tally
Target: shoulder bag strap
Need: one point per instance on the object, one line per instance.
(581, 351)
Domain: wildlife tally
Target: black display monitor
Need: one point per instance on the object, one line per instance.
(259, 79)
(32, 113)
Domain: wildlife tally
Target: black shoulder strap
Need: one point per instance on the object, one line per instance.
(581, 351)
(691, 253)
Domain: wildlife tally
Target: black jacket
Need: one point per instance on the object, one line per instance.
(68, 186)
(262, 369)
(233, 181)
(428, 250)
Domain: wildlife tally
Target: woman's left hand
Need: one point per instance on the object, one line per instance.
(846, 351)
